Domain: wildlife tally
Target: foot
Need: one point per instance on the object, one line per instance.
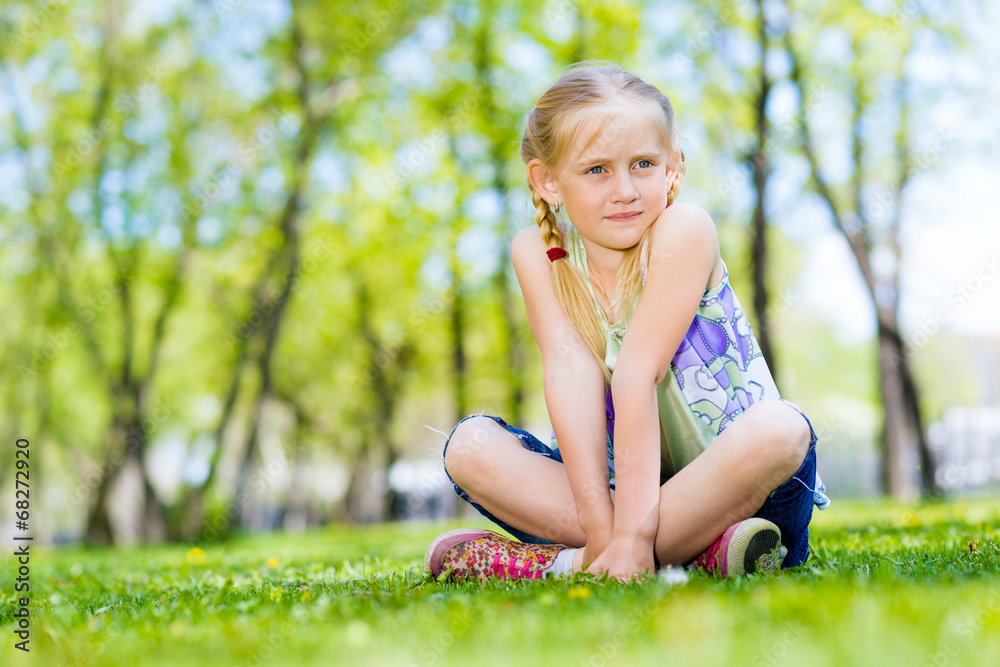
(483, 555)
(750, 546)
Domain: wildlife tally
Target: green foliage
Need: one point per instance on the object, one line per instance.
(160, 149)
(886, 585)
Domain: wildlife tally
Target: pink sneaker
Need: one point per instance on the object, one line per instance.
(482, 554)
(753, 545)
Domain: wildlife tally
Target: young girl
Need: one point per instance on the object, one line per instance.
(671, 443)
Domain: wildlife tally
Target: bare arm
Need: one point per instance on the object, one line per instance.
(684, 257)
(574, 390)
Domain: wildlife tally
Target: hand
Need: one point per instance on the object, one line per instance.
(623, 560)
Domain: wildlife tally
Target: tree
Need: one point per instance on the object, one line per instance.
(868, 209)
(758, 161)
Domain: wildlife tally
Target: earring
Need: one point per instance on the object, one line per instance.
(556, 205)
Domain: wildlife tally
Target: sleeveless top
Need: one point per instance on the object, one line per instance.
(717, 372)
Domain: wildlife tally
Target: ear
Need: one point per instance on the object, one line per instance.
(671, 176)
(673, 171)
(543, 181)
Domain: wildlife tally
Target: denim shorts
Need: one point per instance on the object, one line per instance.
(789, 506)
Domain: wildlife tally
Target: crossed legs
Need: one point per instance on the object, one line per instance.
(727, 483)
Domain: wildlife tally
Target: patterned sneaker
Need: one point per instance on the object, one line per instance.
(753, 545)
(482, 554)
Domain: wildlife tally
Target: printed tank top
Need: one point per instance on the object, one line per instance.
(717, 372)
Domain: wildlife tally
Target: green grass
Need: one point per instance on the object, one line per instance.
(886, 584)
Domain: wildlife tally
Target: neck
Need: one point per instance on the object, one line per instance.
(602, 266)
(603, 262)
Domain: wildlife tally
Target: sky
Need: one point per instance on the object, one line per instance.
(949, 270)
(950, 234)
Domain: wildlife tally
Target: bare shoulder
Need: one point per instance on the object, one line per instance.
(685, 220)
(686, 232)
(548, 323)
(528, 237)
(528, 250)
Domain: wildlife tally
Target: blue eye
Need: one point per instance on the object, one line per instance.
(591, 170)
(645, 162)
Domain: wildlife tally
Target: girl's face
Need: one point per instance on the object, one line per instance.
(616, 188)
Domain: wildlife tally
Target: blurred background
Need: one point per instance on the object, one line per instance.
(254, 254)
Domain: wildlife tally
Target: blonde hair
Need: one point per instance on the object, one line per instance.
(583, 93)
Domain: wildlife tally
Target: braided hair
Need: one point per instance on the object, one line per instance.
(549, 131)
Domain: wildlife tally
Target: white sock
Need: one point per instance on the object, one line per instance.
(563, 563)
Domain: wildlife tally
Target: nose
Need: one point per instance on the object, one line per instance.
(624, 191)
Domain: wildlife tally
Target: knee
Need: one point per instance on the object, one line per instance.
(784, 436)
(465, 447)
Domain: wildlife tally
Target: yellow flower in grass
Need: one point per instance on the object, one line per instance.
(272, 562)
(580, 592)
(196, 556)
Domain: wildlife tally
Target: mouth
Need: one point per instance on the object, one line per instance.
(626, 216)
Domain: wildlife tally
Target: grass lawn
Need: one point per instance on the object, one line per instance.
(886, 584)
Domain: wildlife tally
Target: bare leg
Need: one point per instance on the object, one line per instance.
(730, 480)
(519, 487)
(727, 483)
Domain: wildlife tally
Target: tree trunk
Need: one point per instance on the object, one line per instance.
(459, 385)
(892, 349)
(154, 524)
(903, 424)
(759, 163)
(99, 532)
(357, 497)
(895, 479)
(512, 374)
(928, 466)
(386, 380)
(514, 371)
(512, 351)
(289, 256)
(272, 324)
